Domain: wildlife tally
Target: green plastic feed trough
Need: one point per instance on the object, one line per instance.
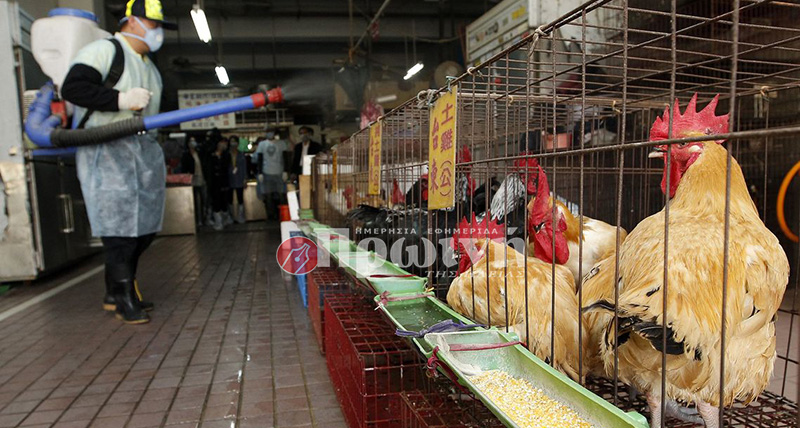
(418, 314)
(378, 273)
(520, 363)
(334, 243)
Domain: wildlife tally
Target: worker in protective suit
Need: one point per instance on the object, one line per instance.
(123, 182)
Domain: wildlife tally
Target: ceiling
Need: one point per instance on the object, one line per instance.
(303, 43)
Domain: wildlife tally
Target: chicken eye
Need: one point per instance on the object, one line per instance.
(538, 227)
(683, 144)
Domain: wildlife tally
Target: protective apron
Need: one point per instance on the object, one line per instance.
(123, 182)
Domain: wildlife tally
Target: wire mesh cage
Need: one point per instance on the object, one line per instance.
(323, 281)
(664, 289)
(368, 364)
(439, 410)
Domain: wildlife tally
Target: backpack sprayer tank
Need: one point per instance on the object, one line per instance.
(55, 41)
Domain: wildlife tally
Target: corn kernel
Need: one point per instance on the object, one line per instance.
(525, 405)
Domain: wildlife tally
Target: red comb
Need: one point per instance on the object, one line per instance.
(397, 195)
(683, 124)
(530, 167)
(526, 163)
(478, 230)
(464, 155)
(541, 206)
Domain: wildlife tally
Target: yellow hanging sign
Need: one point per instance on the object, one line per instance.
(442, 151)
(375, 131)
(335, 172)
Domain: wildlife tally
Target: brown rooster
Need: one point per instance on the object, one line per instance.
(599, 242)
(758, 271)
(490, 268)
(599, 238)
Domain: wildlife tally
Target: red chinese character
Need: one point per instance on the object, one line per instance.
(447, 116)
(434, 173)
(445, 179)
(435, 133)
(447, 140)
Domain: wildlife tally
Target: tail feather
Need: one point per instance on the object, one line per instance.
(601, 305)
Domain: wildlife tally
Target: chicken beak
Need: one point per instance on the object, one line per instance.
(658, 152)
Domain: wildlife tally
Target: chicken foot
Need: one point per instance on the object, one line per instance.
(682, 413)
(673, 408)
(654, 403)
(710, 414)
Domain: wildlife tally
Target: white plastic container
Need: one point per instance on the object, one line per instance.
(286, 228)
(56, 40)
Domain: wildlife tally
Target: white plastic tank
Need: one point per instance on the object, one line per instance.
(56, 40)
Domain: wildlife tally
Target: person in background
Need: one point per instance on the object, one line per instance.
(206, 149)
(123, 182)
(173, 152)
(191, 164)
(269, 159)
(219, 162)
(305, 147)
(237, 177)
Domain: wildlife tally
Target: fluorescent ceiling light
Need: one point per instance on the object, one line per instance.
(222, 75)
(386, 99)
(201, 24)
(413, 70)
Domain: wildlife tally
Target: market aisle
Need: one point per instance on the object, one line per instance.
(229, 345)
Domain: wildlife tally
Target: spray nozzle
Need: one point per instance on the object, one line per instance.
(275, 95)
(272, 96)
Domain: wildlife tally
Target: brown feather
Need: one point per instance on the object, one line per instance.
(757, 276)
(501, 275)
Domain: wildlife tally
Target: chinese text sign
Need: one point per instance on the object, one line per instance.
(375, 131)
(442, 151)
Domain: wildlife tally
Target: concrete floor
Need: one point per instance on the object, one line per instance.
(229, 345)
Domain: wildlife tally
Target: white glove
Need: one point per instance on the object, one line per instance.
(134, 99)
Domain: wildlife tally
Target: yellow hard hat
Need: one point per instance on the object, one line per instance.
(149, 9)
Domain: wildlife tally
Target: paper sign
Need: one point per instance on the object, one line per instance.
(442, 151)
(335, 172)
(375, 131)
(197, 97)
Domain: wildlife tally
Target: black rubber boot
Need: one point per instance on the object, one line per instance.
(109, 304)
(147, 306)
(108, 301)
(123, 290)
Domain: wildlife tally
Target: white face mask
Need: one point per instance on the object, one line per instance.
(153, 37)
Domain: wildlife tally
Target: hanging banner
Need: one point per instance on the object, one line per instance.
(375, 131)
(442, 151)
(335, 172)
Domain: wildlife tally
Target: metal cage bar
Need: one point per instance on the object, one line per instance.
(579, 95)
